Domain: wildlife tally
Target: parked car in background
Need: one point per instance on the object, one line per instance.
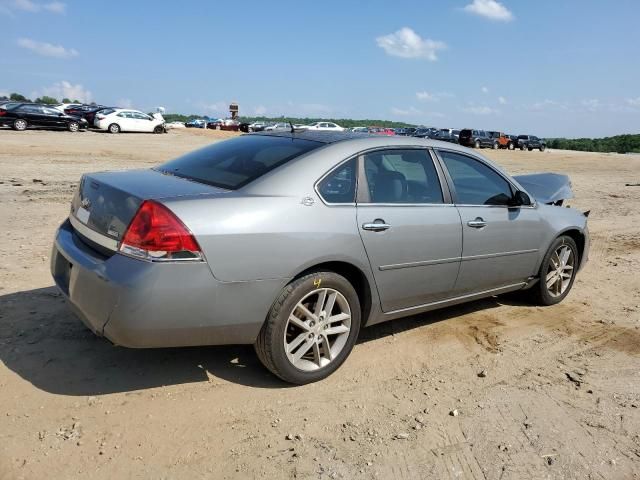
(63, 106)
(257, 126)
(174, 125)
(278, 126)
(330, 126)
(476, 138)
(196, 123)
(88, 112)
(216, 247)
(426, 132)
(445, 135)
(116, 120)
(531, 142)
(382, 131)
(25, 115)
(360, 130)
(503, 140)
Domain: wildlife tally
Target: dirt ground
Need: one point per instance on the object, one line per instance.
(560, 398)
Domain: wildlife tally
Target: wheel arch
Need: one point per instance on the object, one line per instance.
(578, 236)
(354, 275)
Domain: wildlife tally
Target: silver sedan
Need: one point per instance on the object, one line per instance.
(294, 241)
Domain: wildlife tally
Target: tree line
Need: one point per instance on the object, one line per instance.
(615, 144)
(47, 100)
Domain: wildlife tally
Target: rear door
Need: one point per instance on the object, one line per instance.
(500, 241)
(411, 232)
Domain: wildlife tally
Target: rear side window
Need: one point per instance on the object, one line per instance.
(402, 176)
(232, 164)
(340, 185)
(474, 182)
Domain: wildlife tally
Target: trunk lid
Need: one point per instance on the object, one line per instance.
(107, 201)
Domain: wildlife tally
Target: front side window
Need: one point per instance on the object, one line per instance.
(402, 176)
(231, 164)
(476, 183)
(340, 185)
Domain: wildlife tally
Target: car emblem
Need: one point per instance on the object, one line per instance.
(308, 201)
(85, 203)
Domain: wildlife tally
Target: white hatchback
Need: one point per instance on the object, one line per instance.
(116, 120)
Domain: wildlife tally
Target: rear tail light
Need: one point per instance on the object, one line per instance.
(2, 112)
(156, 234)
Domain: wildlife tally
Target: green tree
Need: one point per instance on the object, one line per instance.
(66, 100)
(16, 97)
(46, 99)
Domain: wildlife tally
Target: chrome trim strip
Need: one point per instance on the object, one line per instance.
(100, 239)
(451, 260)
(455, 299)
(501, 254)
(418, 264)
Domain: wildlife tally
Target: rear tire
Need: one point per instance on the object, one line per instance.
(523, 147)
(543, 148)
(547, 291)
(281, 340)
(20, 125)
(476, 144)
(511, 146)
(114, 128)
(73, 126)
(496, 146)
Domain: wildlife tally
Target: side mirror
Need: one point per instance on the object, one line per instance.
(521, 199)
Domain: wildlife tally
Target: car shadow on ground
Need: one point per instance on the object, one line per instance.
(46, 345)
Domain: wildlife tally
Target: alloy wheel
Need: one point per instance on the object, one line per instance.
(317, 329)
(20, 125)
(560, 270)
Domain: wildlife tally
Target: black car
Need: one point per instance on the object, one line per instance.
(24, 115)
(88, 112)
(476, 138)
(426, 132)
(530, 142)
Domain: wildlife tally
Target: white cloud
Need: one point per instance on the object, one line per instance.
(484, 90)
(433, 97)
(633, 102)
(10, 6)
(406, 43)
(405, 111)
(217, 108)
(591, 104)
(65, 89)
(260, 110)
(124, 103)
(547, 104)
(480, 110)
(55, 7)
(490, 9)
(47, 49)
(502, 100)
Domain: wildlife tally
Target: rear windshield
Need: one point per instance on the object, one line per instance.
(232, 164)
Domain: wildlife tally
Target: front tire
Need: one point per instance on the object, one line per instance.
(73, 126)
(158, 129)
(20, 125)
(543, 148)
(496, 146)
(114, 128)
(557, 272)
(511, 146)
(310, 329)
(476, 144)
(523, 147)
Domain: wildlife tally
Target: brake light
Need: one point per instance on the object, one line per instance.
(155, 233)
(2, 112)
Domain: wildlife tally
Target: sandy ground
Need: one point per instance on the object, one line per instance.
(560, 398)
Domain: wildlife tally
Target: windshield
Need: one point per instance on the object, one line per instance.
(234, 163)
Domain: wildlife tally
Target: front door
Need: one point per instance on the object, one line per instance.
(410, 230)
(500, 241)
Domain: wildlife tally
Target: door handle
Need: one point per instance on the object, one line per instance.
(378, 225)
(477, 223)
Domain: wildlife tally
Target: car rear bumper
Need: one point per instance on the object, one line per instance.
(140, 304)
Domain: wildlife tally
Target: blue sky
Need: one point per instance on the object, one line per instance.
(546, 67)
